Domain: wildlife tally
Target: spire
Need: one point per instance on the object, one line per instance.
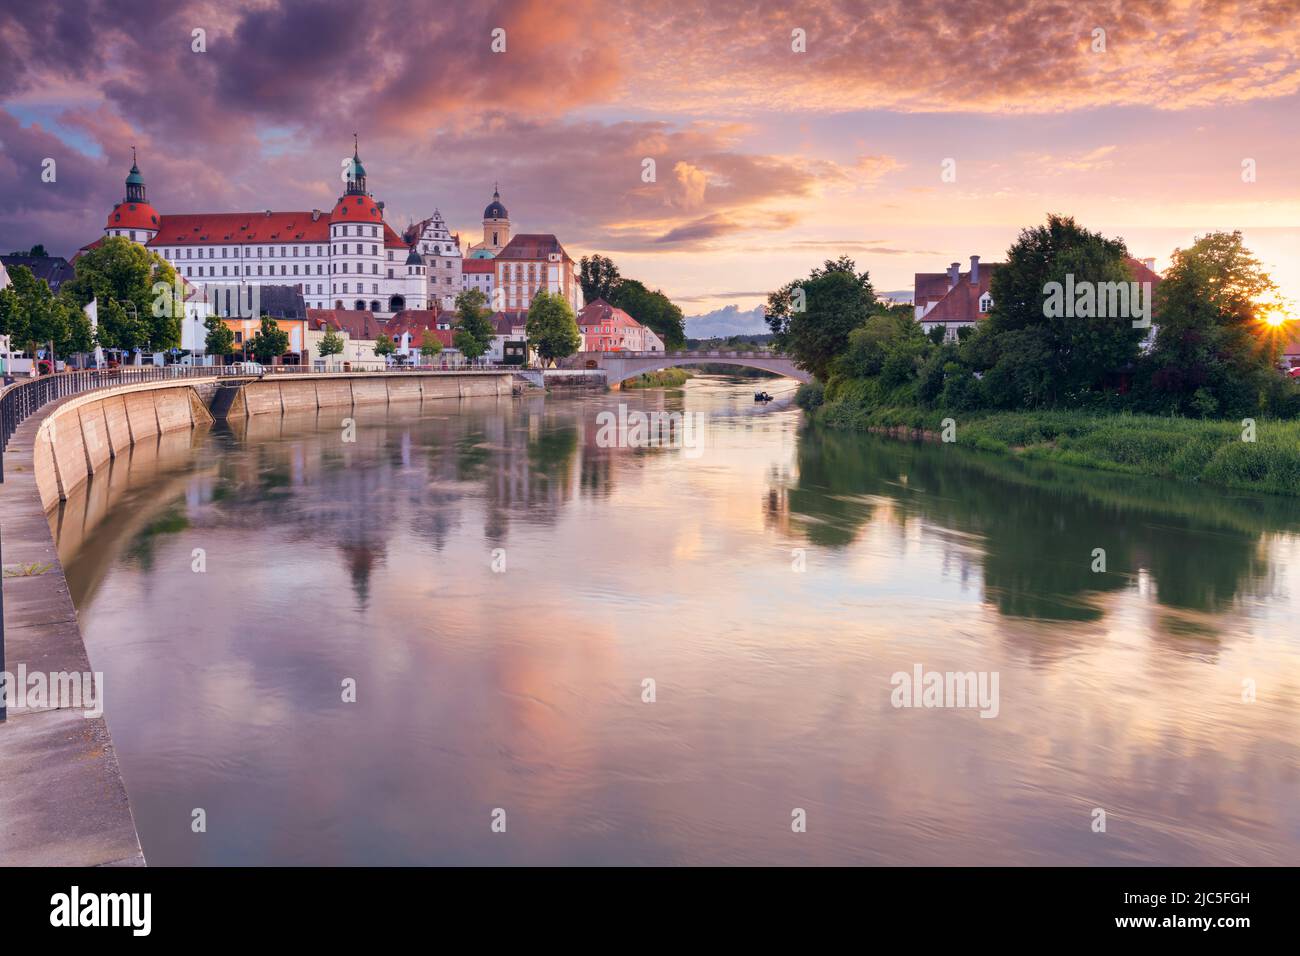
(134, 182)
(356, 172)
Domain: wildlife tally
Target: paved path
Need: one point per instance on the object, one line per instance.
(62, 800)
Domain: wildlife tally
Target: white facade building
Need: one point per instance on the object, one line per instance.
(349, 258)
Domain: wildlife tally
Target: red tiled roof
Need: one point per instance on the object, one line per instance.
(961, 302)
(414, 321)
(391, 239)
(505, 322)
(356, 209)
(1291, 348)
(357, 323)
(532, 246)
(600, 312)
(484, 266)
(133, 215)
(1141, 273)
(241, 227)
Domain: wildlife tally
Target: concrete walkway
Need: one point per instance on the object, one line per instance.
(62, 800)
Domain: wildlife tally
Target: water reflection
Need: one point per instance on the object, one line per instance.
(770, 587)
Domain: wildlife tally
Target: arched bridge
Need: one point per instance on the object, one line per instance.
(620, 366)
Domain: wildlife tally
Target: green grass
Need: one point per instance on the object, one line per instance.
(664, 378)
(1185, 449)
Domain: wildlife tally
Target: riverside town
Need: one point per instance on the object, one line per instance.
(573, 435)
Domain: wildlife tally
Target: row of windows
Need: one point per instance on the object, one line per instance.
(286, 252)
(356, 231)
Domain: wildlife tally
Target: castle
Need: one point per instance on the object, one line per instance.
(348, 258)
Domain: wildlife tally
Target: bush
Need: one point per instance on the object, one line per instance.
(810, 396)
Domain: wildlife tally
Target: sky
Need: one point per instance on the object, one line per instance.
(906, 134)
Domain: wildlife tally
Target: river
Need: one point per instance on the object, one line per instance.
(472, 633)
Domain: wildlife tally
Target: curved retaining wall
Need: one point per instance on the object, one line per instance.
(80, 434)
(303, 392)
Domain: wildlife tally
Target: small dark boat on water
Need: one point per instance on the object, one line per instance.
(762, 397)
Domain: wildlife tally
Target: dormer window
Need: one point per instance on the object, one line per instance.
(986, 303)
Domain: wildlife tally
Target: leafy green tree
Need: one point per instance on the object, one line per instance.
(1080, 351)
(473, 325)
(430, 344)
(599, 278)
(269, 342)
(37, 252)
(34, 317)
(652, 309)
(331, 343)
(220, 340)
(835, 300)
(384, 346)
(552, 328)
(124, 272)
(1213, 352)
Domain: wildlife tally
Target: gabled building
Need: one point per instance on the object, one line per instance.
(605, 328)
(954, 299)
(52, 270)
(532, 263)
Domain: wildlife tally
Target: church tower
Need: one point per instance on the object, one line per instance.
(496, 224)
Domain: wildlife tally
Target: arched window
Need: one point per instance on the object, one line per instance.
(986, 302)
(396, 303)
(374, 306)
(338, 303)
(360, 305)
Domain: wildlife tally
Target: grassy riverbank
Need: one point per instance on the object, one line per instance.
(1185, 449)
(664, 378)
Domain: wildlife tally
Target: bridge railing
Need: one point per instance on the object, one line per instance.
(696, 353)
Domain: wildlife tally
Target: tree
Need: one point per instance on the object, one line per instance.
(835, 300)
(34, 317)
(430, 344)
(474, 330)
(1081, 350)
(1214, 352)
(35, 252)
(220, 340)
(331, 343)
(269, 341)
(653, 310)
(384, 346)
(552, 327)
(124, 272)
(599, 278)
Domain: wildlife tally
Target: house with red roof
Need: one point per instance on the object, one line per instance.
(605, 328)
(956, 299)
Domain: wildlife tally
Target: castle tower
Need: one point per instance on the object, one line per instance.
(133, 218)
(417, 283)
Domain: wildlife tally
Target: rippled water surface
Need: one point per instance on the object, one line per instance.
(770, 583)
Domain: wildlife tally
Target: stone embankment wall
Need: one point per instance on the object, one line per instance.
(77, 438)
